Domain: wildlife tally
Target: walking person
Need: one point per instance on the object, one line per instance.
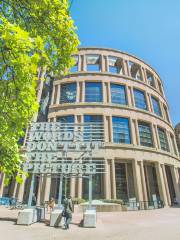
(33, 200)
(51, 204)
(67, 212)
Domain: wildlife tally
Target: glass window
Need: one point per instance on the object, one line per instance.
(93, 129)
(150, 79)
(118, 94)
(69, 119)
(65, 119)
(97, 186)
(140, 101)
(93, 63)
(93, 92)
(75, 67)
(135, 70)
(173, 144)
(160, 87)
(121, 132)
(156, 106)
(145, 134)
(68, 93)
(115, 65)
(113, 69)
(121, 181)
(163, 139)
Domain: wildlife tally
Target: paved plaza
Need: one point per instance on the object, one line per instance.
(162, 224)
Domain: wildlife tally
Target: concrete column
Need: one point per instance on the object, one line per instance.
(104, 92)
(79, 180)
(127, 68)
(161, 184)
(58, 94)
(72, 187)
(21, 189)
(79, 63)
(168, 140)
(124, 66)
(175, 145)
(109, 92)
(145, 196)
(157, 137)
(78, 94)
(148, 102)
(137, 180)
(155, 83)
(39, 190)
(155, 140)
(14, 190)
(2, 184)
(47, 188)
(103, 64)
(107, 186)
(171, 147)
(84, 65)
(106, 64)
(52, 97)
(166, 185)
(163, 112)
(106, 132)
(142, 74)
(137, 131)
(178, 176)
(110, 129)
(113, 179)
(79, 187)
(132, 96)
(129, 97)
(145, 76)
(83, 92)
(175, 183)
(133, 133)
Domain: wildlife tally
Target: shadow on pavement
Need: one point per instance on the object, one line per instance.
(9, 219)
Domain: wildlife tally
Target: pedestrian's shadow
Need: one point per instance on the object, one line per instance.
(56, 224)
(78, 224)
(8, 219)
(46, 222)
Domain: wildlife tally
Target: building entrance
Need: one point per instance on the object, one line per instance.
(54, 192)
(151, 183)
(97, 187)
(124, 181)
(170, 183)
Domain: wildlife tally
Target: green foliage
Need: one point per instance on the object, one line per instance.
(116, 201)
(78, 200)
(33, 35)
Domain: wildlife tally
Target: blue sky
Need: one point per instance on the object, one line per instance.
(149, 29)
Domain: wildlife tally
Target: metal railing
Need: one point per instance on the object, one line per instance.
(143, 205)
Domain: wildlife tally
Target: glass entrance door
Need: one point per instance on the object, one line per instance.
(170, 184)
(121, 181)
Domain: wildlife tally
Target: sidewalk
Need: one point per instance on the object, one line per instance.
(161, 224)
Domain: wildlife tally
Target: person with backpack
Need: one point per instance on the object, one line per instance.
(67, 212)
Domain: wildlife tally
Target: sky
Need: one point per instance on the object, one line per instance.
(149, 29)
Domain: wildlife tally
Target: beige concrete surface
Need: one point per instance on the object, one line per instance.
(162, 224)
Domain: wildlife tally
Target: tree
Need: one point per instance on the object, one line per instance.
(33, 35)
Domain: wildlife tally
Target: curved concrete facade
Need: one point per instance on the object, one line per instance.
(142, 160)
